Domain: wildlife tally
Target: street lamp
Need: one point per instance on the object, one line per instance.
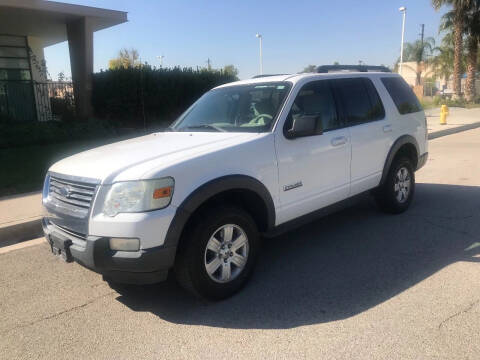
(259, 36)
(160, 58)
(403, 10)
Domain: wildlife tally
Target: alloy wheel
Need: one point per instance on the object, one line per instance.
(402, 185)
(226, 253)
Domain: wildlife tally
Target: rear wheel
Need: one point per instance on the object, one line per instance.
(218, 253)
(396, 194)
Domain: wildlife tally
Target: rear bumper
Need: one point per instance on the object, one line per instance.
(422, 160)
(145, 266)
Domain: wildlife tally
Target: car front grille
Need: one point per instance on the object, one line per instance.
(75, 234)
(73, 195)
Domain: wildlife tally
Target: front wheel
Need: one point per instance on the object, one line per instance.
(218, 253)
(396, 194)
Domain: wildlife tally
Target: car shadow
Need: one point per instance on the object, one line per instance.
(335, 267)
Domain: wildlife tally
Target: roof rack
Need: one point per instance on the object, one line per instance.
(267, 75)
(359, 68)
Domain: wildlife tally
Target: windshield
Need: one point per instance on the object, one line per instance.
(242, 108)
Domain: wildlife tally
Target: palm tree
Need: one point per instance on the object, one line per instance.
(442, 62)
(418, 52)
(471, 30)
(473, 37)
(460, 8)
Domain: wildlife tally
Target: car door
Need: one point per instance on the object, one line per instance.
(314, 171)
(370, 130)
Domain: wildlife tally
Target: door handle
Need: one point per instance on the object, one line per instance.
(337, 141)
(387, 128)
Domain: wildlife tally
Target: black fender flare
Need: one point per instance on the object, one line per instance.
(207, 191)
(402, 140)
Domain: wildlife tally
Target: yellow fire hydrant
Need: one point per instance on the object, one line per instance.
(443, 114)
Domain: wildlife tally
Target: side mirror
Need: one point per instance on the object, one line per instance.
(305, 125)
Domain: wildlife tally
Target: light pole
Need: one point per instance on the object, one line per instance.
(259, 36)
(403, 10)
(160, 58)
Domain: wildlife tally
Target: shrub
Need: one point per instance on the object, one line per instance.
(439, 100)
(159, 95)
(16, 134)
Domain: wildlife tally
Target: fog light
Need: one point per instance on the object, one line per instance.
(123, 244)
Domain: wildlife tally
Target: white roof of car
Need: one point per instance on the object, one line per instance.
(294, 78)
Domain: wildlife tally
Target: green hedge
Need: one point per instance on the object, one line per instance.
(15, 134)
(125, 95)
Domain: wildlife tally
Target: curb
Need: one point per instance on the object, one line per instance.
(454, 130)
(16, 233)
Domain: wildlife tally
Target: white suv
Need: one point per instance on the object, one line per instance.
(247, 159)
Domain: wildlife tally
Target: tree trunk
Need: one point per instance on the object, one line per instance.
(471, 68)
(457, 61)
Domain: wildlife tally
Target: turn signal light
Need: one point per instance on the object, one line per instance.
(164, 192)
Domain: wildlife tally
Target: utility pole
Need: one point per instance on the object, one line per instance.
(209, 65)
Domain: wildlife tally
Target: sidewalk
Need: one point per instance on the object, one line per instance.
(20, 218)
(459, 119)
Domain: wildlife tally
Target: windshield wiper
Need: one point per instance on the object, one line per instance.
(204, 126)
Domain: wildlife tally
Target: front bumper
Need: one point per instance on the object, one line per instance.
(145, 266)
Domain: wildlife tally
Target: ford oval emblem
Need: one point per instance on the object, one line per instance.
(65, 191)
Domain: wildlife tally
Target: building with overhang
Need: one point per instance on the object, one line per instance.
(26, 28)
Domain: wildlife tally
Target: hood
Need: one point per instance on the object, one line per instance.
(107, 161)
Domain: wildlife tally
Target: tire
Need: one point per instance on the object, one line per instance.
(395, 195)
(193, 258)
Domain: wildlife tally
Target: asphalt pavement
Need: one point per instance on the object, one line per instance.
(358, 284)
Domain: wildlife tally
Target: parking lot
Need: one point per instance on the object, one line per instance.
(358, 284)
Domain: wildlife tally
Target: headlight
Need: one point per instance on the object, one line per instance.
(138, 196)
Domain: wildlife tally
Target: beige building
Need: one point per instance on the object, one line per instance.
(409, 73)
(26, 28)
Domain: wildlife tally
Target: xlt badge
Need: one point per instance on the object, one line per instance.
(292, 186)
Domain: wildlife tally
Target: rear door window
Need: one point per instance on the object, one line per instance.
(401, 94)
(359, 99)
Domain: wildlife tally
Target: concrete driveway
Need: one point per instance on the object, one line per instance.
(358, 284)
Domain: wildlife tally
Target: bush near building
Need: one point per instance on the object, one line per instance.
(20, 134)
(147, 97)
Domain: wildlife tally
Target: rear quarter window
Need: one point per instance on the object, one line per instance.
(359, 99)
(401, 94)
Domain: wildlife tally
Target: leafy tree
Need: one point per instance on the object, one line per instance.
(310, 69)
(460, 9)
(336, 63)
(125, 59)
(231, 70)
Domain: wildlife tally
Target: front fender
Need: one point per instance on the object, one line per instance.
(210, 189)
